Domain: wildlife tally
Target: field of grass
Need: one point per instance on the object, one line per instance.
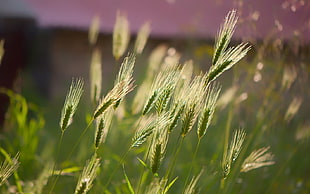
(239, 125)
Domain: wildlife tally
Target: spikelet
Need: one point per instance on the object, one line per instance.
(223, 38)
(257, 159)
(162, 87)
(175, 115)
(158, 149)
(95, 76)
(125, 72)
(72, 100)
(7, 168)
(147, 127)
(142, 37)
(126, 68)
(207, 112)
(103, 123)
(118, 92)
(191, 188)
(192, 96)
(1, 50)
(233, 151)
(154, 63)
(88, 175)
(94, 30)
(226, 60)
(185, 77)
(121, 35)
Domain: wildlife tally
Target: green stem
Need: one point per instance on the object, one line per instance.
(172, 164)
(115, 169)
(145, 158)
(192, 164)
(58, 151)
(226, 141)
(70, 154)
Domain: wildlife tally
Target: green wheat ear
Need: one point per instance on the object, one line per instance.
(233, 151)
(7, 168)
(223, 58)
(88, 175)
(224, 36)
(71, 102)
(158, 148)
(229, 58)
(207, 112)
(125, 72)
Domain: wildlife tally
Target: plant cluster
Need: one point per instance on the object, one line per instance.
(172, 102)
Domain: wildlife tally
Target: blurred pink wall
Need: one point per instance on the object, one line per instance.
(181, 17)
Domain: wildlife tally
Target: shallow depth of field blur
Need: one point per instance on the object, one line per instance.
(267, 93)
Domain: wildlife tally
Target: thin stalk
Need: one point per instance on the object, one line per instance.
(192, 164)
(58, 151)
(145, 158)
(226, 140)
(172, 164)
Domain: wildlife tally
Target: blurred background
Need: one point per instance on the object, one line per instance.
(46, 44)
